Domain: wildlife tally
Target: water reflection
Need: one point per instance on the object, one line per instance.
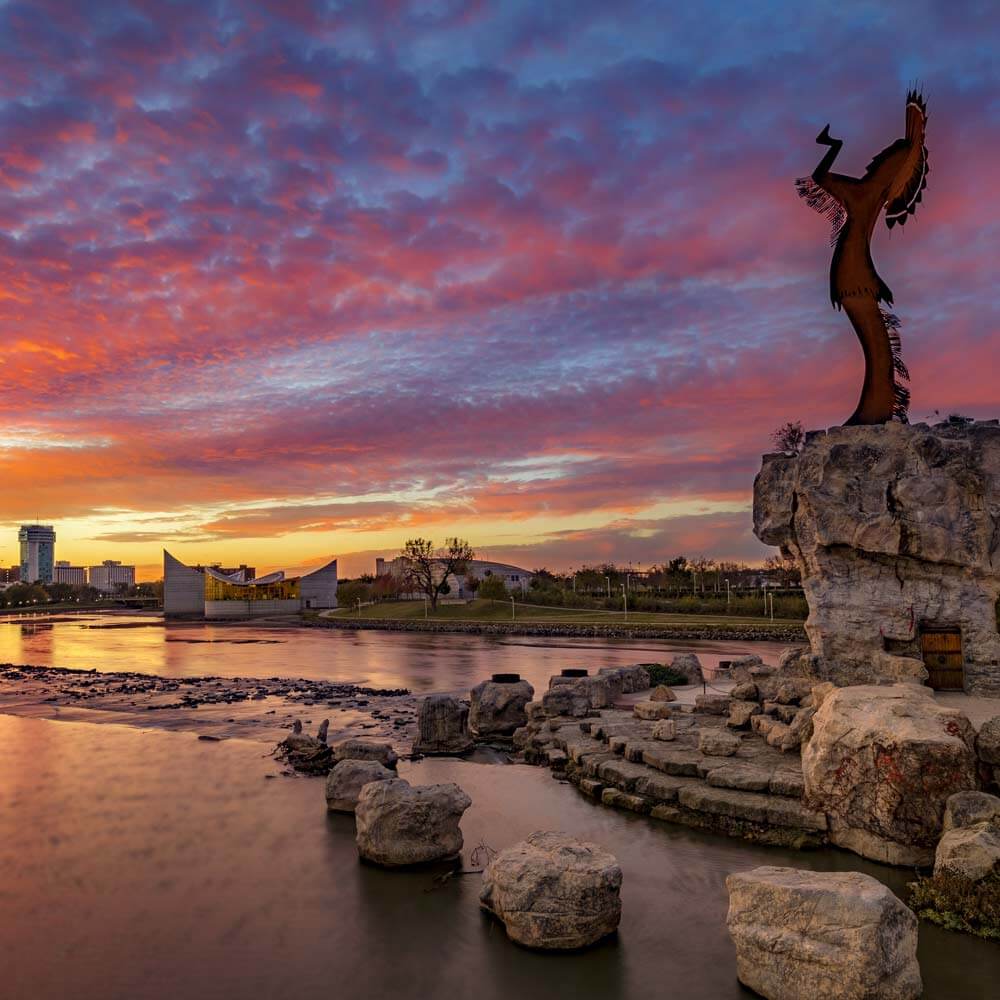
(148, 864)
(420, 661)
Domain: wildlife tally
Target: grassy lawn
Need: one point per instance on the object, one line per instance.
(500, 611)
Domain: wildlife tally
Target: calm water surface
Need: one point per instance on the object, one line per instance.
(149, 866)
(420, 661)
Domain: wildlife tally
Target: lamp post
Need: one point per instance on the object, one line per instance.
(607, 580)
(729, 595)
(625, 600)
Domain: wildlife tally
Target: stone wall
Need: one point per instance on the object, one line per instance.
(896, 528)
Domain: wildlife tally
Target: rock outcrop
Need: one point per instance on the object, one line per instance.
(399, 824)
(896, 530)
(345, 781)
(881, 763)
(554, 892)
(822, 934)
(443, 726)
(497, 707)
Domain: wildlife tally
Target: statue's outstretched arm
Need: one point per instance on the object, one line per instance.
(836, 184)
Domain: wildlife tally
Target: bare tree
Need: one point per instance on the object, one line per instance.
(789, 437)
(428, 569)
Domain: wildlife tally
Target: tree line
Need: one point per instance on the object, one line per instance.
(701, 586)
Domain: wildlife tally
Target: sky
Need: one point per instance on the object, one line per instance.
(287, 280)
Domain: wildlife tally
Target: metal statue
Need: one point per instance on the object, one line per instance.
(894, 180)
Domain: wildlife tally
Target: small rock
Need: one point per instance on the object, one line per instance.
(970, 808)
(970, 851)
(358, 748)
(740, 714)
(713, 704)
(651, 710)
(665, 729)
(988, 741)
(662, 693)
(747, 691)
(718, 743)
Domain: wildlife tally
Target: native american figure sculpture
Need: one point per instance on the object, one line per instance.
(894, 180)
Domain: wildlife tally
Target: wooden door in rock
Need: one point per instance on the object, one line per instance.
(942, 651)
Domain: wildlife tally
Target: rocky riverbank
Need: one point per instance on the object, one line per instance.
(765, 632)
(214, 708)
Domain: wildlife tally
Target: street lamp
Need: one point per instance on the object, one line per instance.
(625, 600)
(607, 580)
(729, 596)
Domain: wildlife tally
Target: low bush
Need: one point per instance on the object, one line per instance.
(958, 903)
(660, 673)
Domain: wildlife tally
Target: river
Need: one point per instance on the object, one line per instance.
(144, 865)
(419, 661)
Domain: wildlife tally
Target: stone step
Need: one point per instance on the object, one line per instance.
(755, 816)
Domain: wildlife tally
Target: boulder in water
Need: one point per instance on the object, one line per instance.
(443, 726)
(554, 892)
(345, 781)
(822, 934)
(399, 824)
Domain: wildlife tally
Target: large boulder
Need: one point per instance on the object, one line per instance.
(443, 723)
(894, 530)
(689, 665)
(345, 781)
(881, 763)
(399, 824)
(554, 892)
(822, 934)
(357, 748)
(633, 678)
(566, 699)
(970, 846)
(497, 707)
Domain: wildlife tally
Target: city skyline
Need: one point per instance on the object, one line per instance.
(288, 283)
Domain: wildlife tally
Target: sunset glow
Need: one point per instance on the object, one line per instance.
(281, 282)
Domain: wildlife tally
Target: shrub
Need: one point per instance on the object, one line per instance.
(660, 673)
(958, 903)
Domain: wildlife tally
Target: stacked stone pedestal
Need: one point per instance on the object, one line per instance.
(896, 530)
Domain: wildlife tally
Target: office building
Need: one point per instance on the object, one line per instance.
(38, 552)
(111, 577)
(76, 576)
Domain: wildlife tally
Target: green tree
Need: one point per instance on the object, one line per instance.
(428, 569)
(492, 589)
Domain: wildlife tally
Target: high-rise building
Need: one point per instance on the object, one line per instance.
(38, 552)
(111, 575)
(64, 573)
